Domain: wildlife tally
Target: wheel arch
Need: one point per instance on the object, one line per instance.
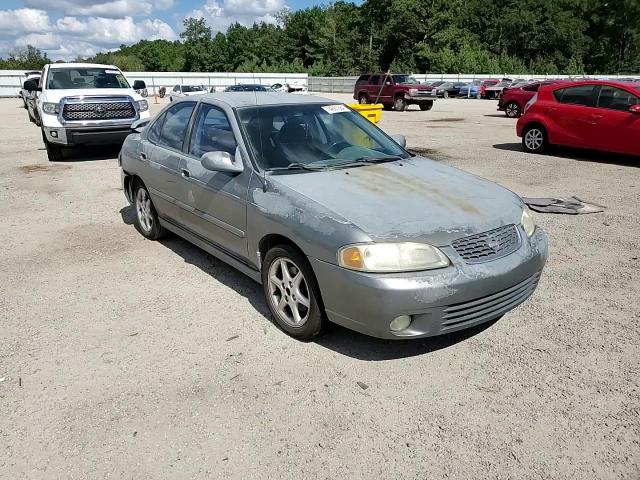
(270, 240)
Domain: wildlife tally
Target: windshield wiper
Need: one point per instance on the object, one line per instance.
(297, 166)
(388, 158)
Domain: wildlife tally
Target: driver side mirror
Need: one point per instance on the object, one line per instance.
(139, 85)
(222, 162)
(31, 86)
(400, 140)
(635, 108)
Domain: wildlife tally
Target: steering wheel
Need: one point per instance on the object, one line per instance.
(338, 146)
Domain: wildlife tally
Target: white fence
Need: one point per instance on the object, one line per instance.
(11, 80)
(346, 84)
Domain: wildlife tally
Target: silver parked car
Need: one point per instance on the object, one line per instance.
(334, 218)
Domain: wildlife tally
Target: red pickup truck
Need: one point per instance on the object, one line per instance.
(396, 91)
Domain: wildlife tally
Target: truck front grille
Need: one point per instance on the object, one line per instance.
(98, 111)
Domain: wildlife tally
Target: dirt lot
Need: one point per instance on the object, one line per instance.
(129, 359)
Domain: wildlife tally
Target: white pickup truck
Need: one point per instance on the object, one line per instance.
(85, 103)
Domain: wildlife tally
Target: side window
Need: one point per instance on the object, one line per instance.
(616, 99)
(154, 132)
(531, 88)
(363, 79)
(174, 127)
(176, 88)
(375, 80)
(211, 132)
(578, 95)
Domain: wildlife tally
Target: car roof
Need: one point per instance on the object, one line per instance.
(250, 99)
(81, 65)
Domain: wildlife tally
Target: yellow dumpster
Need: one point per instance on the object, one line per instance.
(373, 113)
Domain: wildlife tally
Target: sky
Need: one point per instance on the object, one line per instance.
(66, 29)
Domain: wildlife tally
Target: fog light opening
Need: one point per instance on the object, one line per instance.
(54, 134)
(400, 323)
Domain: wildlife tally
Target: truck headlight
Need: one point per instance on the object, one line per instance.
(51, 108)
(527, 222)
(391, 257)
(143, 105)
(413, 91)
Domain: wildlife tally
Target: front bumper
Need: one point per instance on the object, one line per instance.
(427, 97)
(101, 135)
(438, 301)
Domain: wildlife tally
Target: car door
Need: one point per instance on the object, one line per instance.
(214, 203)
(617, 129)
(161, 153)
(572, 116)
(373, 88)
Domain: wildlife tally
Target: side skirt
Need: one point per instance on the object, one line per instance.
(208, 247)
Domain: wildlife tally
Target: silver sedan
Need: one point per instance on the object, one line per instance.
(336, 220)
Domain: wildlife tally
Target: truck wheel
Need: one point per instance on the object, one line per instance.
(426, 106)
(362, 99)
(399, 104)
(54, 152)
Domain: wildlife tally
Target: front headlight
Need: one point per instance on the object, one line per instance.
(391, 257)
(527, 222)
(143, 105)
(413, 91)
(51, 108)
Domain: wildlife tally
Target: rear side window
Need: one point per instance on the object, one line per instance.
(375, 80)
(616, 98)
(174, 127)
(531, 88)
(363, 79)
(578, 95)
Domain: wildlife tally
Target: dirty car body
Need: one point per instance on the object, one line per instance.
(384, 235)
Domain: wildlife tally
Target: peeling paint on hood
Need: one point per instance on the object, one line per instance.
(409, 200)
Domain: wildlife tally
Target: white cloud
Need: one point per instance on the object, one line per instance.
(98, 8)
(246, 12)
(72, 36)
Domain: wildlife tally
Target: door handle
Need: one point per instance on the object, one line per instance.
(185, 173)
(593, 119)
(143, 156)
(551, 109)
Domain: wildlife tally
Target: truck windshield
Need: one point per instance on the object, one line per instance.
(404, 79)
(313, 136)
(192, 88)
(79, 78)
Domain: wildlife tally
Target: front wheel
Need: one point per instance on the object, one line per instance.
(445, 94)
(54, 151)
(534, 139)
(426, 106)
(512, 110)
(292, 293)
(147, 220)
(399, 104)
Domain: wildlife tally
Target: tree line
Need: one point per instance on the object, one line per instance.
(440, 36)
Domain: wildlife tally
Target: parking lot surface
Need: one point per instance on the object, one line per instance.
(130, 359)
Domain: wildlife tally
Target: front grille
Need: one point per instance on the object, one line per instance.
(98, 111)
(487, 246)
(491, 306)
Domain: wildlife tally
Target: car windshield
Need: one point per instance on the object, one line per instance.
(192, 88)
(404, 79)
(314, 136)
(437, 84)
(78, 78)
(504, 83)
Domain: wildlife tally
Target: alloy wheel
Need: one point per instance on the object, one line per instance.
(143, 209)
(512, 110)
(534, 139)
(289, 292)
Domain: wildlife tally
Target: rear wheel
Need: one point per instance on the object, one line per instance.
(362, 99)
(445, 94)
(512, 110)
(54, 152)
(534, 139)
(292, 293)
(147, 220)
(399, 104)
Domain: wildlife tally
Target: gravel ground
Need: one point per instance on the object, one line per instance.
(124, 358)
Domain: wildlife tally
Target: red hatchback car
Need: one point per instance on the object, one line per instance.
(599, 115)
(513, 100)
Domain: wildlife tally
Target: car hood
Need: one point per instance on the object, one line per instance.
(416, 86)
(191, 94)
(57, 95)
(412, 200)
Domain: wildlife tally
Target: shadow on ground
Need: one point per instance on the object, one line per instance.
(579, 154)
(88, 153)
(337, 338)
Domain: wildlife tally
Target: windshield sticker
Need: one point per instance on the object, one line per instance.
(112, 72)
(335, 109)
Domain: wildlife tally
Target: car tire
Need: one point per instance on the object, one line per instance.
(147, 221)
(445, 94)
(478, 96)
(399, 104)
(387, 106)
(512, 110)
(297, 310)
(535, 139)
(424, 106)
(54, 152)
(362, 99)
